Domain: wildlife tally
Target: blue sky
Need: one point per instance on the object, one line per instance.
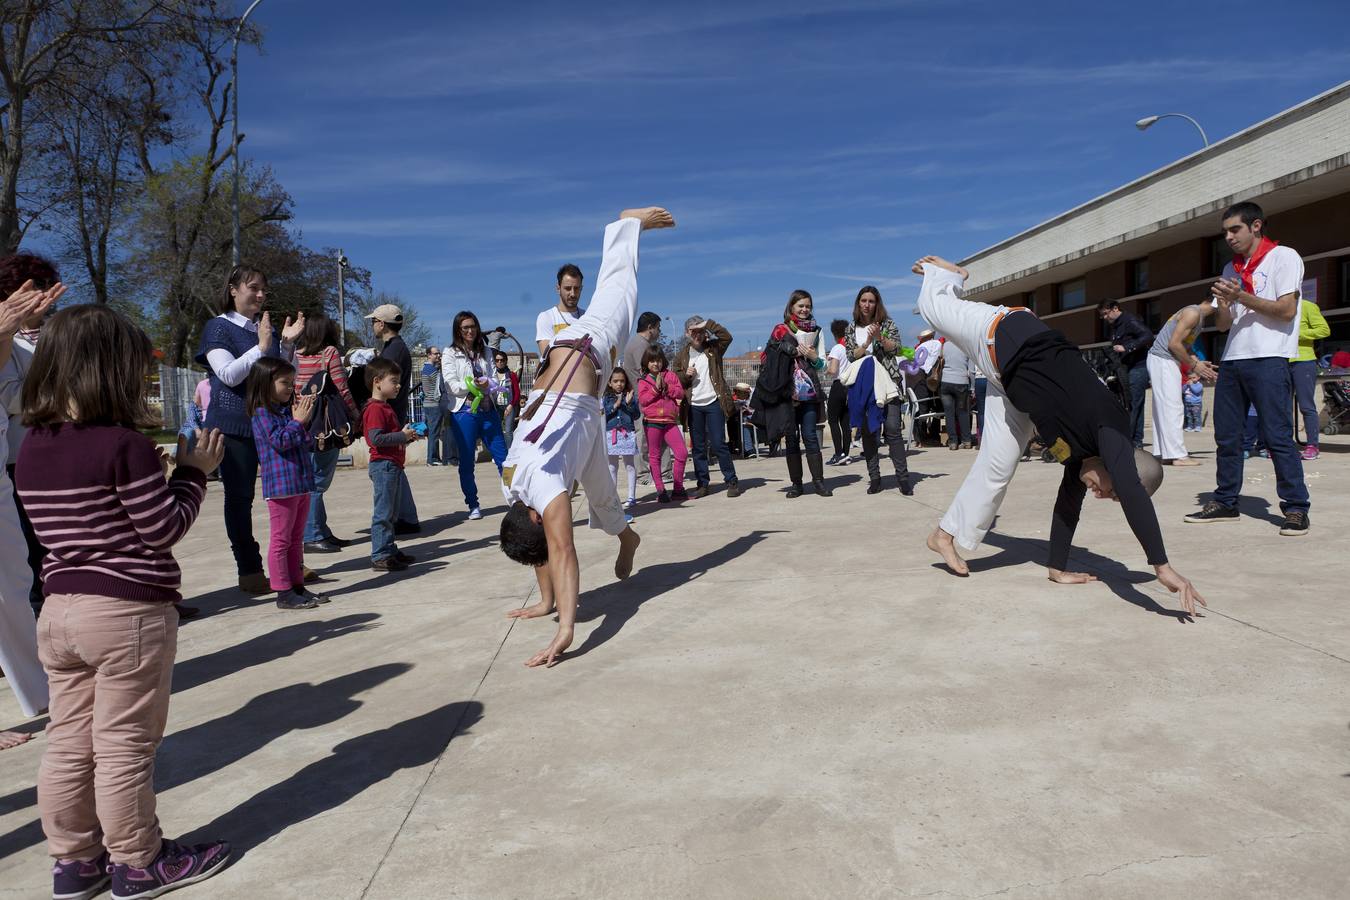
(463, 151)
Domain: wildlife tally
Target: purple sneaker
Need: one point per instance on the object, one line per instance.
(176, 866)
(80, 879)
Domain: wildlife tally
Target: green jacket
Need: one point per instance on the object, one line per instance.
(1311, 327)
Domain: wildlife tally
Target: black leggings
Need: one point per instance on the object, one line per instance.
(836, 412)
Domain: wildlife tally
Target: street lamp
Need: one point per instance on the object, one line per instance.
(236, 137)
(1144, 123)
(342, 264)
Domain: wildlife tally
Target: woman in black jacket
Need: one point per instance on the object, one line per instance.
(788, 396)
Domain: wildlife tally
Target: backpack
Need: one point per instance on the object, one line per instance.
(331, 425)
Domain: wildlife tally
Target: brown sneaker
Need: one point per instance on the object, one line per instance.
(388, 564)
(734, 489)
(255, 583)
(700, 492)
(310, 575)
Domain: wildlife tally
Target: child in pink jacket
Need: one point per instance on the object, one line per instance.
(659, 395)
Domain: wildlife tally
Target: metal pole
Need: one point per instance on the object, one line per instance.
(1203, 136)
(234, 123)
(342, 304)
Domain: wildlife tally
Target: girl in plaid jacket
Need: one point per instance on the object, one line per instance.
(287, 466)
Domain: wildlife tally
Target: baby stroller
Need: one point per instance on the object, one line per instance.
(1336, 407)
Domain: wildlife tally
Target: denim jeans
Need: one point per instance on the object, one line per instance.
(981, 391)
(407, 507)
(508, 425)
(325, 464)
(708, 427)
(469, 427)
(1263, 383)
(384, 482)
(238, 478)
(807, 416)
(1304, 375)
(1194, 413)
(434, 417)
(956, 400)
(1138, 377)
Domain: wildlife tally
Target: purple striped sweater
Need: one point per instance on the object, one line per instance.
(102, 507)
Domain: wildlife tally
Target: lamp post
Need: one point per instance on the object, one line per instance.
(342, 264)
(1144, 123)
(236, 137)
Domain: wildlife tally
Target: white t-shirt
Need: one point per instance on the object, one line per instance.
(840, 356)
(1255, 335)
(701, 392)
(934, 348)
(553, 320)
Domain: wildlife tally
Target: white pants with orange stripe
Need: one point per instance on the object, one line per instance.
(1006, 428)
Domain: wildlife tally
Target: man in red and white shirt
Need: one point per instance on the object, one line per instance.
(1257, 301)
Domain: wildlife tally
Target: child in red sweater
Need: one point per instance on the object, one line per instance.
(109, 632)
(388, 445)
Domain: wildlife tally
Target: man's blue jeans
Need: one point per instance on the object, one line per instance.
(1263, 383)
(325, 464)
(1304, 375)
(1138, 394)
(384, 481)
(435, 420)
(469, 427)
(708, 424)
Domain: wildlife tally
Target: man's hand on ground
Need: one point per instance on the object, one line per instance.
(1058, 576)
(1177, 583)
(551, 655)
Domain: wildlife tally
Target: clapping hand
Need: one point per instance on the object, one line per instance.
(1227, 292)
(208, 453)
(265, 332)
(302, 408)
(292, 330)
(24, 304)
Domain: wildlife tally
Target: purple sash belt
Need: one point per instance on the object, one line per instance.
(584, 350)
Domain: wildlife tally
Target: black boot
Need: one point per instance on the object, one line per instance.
(817, 466)
(874, 487)
(794, 463)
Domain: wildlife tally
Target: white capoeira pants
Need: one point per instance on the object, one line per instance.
(573, 442)
(1006, 428)
(18, 628)
(1169, 414)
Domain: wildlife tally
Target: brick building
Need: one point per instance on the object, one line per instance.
(1156, 245)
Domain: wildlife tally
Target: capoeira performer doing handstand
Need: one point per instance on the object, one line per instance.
(1038, 380)
(561, 439)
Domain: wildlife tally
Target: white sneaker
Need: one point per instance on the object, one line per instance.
(475, 513)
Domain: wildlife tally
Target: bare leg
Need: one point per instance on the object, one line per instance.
(941, 543)
(650, 216)
(545, 605)
(628, 544)
(10, 739)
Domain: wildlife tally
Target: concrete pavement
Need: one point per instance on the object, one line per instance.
(788, 699)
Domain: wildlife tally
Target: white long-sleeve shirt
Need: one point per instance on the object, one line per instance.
(231, 369)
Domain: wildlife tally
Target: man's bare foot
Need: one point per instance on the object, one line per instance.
(628, 544)
(538, 610)
(650, 216)
(941, 543)
(1059, 576)
(9, 739)
(551, 655)
(941, 263)
(1184, 461)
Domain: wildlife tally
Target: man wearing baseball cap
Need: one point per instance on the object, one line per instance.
(386, 321)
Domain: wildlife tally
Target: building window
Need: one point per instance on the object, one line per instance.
(1152, 315)
(1139, 275)
(1073, 294)
(1219, 254)
(1029, 299)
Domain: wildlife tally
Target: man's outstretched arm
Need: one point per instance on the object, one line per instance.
(1063, 524)
(564, 574)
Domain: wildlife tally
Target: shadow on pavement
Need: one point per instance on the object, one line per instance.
(196, 752)
(276, 644)
(620, 601)
(1255, 507)
(353, 766)
(1014, 551)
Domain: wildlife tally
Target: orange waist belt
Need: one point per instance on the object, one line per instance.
(993, 327)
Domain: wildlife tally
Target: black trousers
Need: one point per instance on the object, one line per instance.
(836, 413)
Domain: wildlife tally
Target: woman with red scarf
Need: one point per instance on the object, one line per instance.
(788, 396)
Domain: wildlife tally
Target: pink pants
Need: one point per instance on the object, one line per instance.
(671, 437)
(108, 662)
(286, 549)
